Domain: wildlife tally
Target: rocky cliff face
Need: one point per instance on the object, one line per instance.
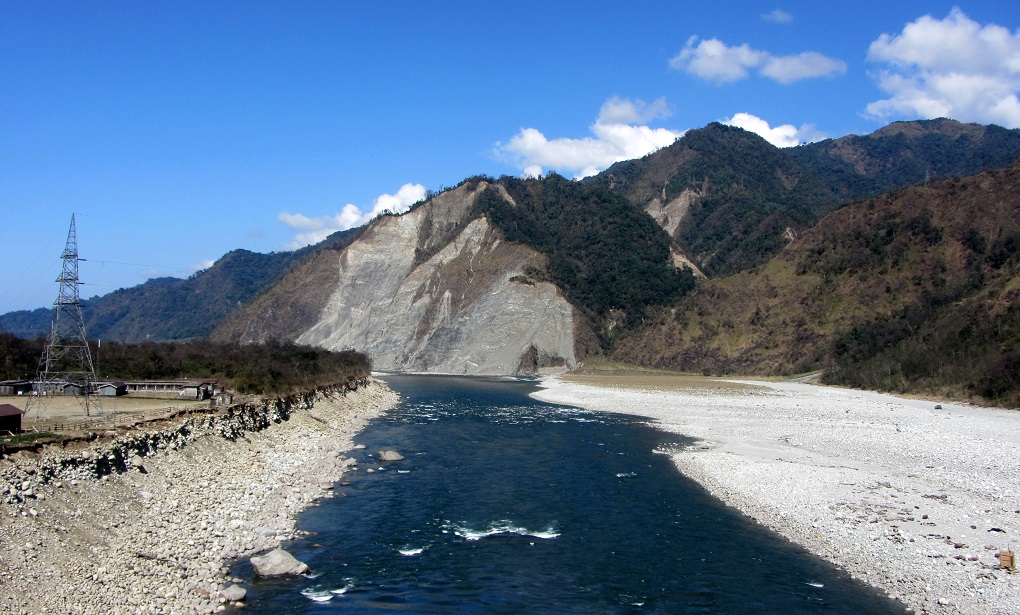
(433, 290)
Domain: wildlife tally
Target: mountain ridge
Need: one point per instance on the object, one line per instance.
(522, 276)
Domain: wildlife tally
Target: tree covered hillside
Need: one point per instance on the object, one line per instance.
(917, 290)
(746, 199)
(603, 252)
(171, 308)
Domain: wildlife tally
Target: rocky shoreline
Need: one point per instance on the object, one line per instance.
(913, 497)
(146, 522)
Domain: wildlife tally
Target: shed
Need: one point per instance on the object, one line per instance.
(10, 418)
(15, 387)
(112, 389)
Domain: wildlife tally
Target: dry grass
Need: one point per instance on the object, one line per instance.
(624, 376)
(68, 409)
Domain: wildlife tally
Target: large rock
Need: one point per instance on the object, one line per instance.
(390, 455)
(234, 593)
(276, 563)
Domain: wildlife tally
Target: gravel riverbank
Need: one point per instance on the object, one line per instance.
(145, 522)
(912, 498)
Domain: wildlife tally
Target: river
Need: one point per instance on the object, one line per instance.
(504, 504)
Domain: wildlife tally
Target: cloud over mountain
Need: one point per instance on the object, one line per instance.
(619, 133)
(786, 135)
(715, 61)
(951, 67)
(314, 230)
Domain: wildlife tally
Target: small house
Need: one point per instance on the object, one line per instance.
(73, 388)
(10, 419)
(111, 389)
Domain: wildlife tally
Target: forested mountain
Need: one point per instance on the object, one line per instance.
(918, 289)
(603, 252)
(914, 289)
(167, 308)
(905, 154)
(730, 200)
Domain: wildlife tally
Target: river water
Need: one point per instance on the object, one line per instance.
(504, 504)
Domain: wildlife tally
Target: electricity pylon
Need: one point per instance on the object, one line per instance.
(66, 359)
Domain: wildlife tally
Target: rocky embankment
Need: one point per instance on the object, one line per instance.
(146, 522)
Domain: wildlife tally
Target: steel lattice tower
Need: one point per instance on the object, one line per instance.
(66, 359)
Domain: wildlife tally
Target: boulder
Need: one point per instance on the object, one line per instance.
(389, 455)
(276, 563)
(234, 593)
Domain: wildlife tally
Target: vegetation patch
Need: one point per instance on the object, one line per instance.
(603, 252)
(259, 369)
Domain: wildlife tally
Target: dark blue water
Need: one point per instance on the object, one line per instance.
(508, 505)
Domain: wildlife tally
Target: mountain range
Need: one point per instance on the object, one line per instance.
(886, 261)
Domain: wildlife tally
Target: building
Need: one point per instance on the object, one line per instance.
(15, 387)
(10, 419)
(111, 389)
(179, 388)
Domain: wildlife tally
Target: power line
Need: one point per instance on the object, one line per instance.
(66, 361)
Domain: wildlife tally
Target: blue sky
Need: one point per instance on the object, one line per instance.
(178, 131)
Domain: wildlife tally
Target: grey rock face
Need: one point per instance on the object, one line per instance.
(435, 290)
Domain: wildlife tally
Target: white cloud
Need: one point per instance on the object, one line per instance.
(616, 137)
(314, 230)
(951, 67)
(533, 171)
(203, 265)
(715, 61)
(807, 65)
(786, 135)
(618, 110)
(777, 16)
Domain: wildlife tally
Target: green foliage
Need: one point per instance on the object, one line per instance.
(603, 252)
(271, 368)
(28, 438)
(19, 358)
(936, 345)
(274, 367)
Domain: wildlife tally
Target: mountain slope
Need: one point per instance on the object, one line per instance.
(731, 201)
(435, 289)
(906, 153)
(725, 195)
(168, 308)
(915, 290)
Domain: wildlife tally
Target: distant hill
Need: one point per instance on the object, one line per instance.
(731, 201)
(916, 290)
(905, 154)
(163, 309)
(167, 308)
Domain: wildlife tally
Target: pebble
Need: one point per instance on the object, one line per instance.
(161, 541)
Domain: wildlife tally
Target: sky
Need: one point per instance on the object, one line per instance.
(178, 131)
